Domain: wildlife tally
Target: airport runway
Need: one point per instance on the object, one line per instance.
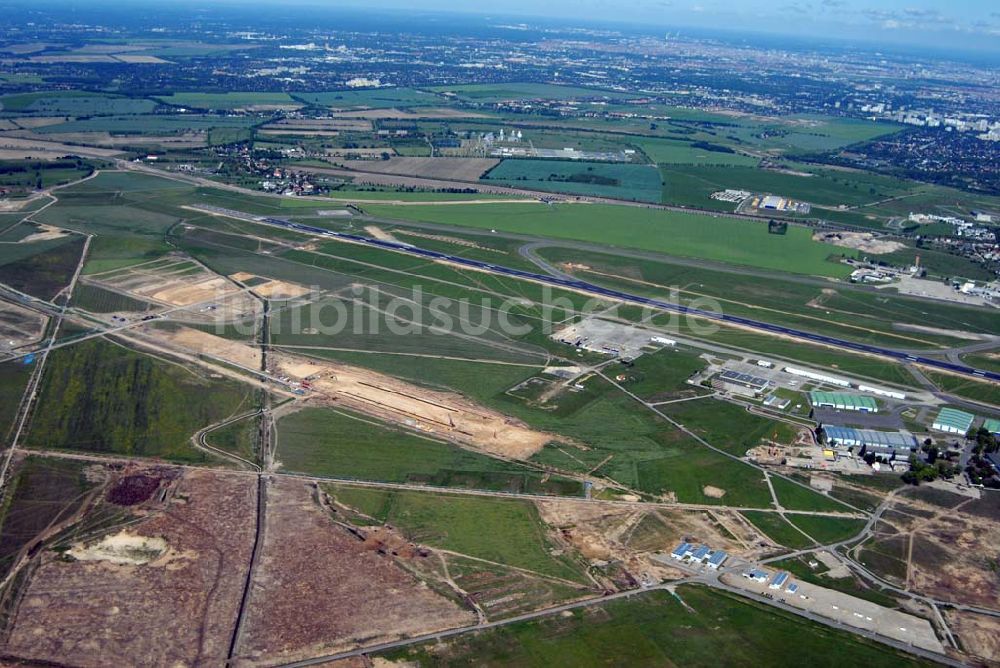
(575, 284)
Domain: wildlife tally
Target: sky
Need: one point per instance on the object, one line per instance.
(937, 23)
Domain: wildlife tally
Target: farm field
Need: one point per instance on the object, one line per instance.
(673, 233)
(329, 442)
(702, 628)
(74, 103)
(676, 152)
(144, 406)
(600, 179)
(41, 268)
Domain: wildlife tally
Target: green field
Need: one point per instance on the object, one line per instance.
(42, 268)
(728, 426)
(228, 100)
(150, 124)
(100, 397)
(827, 529)
(693, 185)
(778, 529)
(74, 103)
(96, 299)
(505, 531)
(963, 386)
(27, 175)
(673, 233)
(373, 98)
(677, 152)
(697, 627)
(661, 376)
(598, 179)
(799, 497)
(13, 379)
(328, 442)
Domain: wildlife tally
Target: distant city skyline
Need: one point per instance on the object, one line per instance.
(960, 23)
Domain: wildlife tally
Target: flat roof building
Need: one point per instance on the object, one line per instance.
(740, 383)
(953, 421)
(843, 401)
(992, 426)
(848, 437)
(701, 553)
(779, 580)
(717, 559)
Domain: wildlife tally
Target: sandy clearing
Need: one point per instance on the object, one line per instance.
(445, 414)
(184, 293)
(379, 233)
(272, 288)
(201, 342)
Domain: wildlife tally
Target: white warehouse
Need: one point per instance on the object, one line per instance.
(812, 375)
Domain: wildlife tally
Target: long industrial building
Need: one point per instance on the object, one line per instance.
(843, 401)
(887, 444)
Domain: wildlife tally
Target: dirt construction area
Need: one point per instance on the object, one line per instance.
(271, 288)
(320, 588)
(176, 282)
(165, 592)
(862, 241)
(604, 533)
(444, 414)
(203, 343)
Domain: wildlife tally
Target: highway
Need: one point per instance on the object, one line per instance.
(579, 285)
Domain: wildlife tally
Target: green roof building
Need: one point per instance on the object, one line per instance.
(843, 401)
(953, 421)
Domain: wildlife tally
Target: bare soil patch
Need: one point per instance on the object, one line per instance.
(165, 612)
(319, 588)
(862, 241)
